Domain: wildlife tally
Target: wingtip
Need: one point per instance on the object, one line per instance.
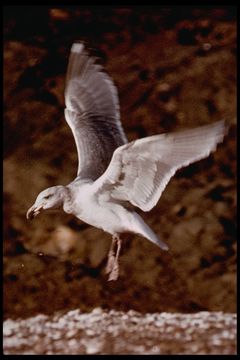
(222, 123)
(77, 47)
(223, 128)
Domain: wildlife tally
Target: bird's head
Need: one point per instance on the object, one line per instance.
(51, 198)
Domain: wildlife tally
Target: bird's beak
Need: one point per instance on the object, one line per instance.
(33, 211)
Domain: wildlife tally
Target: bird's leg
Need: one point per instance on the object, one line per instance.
(114, 272)
(111, 256)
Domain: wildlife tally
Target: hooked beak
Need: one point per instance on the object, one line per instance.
(33, 211)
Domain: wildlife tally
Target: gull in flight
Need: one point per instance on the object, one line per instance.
(115, 175)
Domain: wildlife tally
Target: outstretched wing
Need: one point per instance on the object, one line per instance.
(92, 112)
(140, 170)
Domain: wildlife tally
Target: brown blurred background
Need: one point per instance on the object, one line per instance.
(175, 68)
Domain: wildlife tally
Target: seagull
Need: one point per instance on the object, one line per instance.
(114, 176)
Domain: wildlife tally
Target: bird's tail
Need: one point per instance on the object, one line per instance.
(143, 229)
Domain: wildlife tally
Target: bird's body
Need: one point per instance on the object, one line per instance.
(82, 193)
(114, 175)
(101, 207)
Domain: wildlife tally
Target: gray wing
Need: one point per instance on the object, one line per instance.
(140, 170)
(92, 112)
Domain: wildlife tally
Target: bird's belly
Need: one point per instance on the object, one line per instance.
(108, 217)
(100, 211)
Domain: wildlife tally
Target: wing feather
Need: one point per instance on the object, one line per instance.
(92, 112)
(140, 170)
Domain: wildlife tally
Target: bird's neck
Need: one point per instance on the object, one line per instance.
(67, 200)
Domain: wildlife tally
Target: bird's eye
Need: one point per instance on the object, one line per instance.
(47, 196)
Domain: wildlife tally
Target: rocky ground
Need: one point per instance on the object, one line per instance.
(174, 69)
(114, 332)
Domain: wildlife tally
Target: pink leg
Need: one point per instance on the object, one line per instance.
(111, 256)
(114, 271)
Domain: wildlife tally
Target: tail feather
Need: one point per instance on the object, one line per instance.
(143, 229)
